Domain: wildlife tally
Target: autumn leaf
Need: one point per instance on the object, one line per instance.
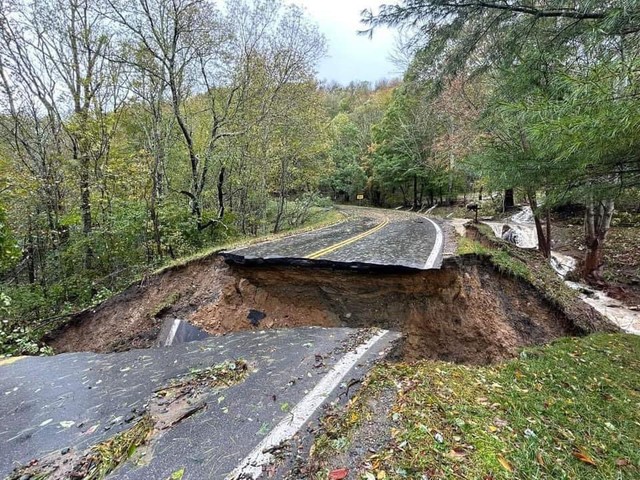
(338, 474)
(505, 463)
(584, 457)
(540, 459)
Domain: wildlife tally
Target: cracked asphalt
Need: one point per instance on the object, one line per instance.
(368, 237)
(77, 400)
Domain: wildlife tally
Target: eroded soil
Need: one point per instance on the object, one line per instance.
(465, 312)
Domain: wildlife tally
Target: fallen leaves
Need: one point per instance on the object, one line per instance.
(584, 457)
(505, 463)
(457, 453)
(338, 474)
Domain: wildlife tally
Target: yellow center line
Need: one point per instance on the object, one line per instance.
(9, 361)
(348, 241)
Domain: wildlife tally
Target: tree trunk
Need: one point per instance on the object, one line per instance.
(508, 199)
(544, 241)
(283, 176)
(405, 201)
(156, 177)
(221, 192)
(450, 186)
(85, 205)
(596, 225)
(415, 192)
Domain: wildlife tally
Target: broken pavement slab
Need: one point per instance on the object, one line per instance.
(76, 401)
(175, 331)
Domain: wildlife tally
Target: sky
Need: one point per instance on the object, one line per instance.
(350, 56)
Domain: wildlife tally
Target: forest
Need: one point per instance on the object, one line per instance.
(134, 133)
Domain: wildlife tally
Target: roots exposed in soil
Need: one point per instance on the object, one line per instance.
(465, 312)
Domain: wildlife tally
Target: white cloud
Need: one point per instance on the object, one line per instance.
(350, 56)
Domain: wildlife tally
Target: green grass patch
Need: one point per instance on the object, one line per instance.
(500, 258)
(569, 410)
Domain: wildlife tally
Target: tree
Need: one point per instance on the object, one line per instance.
(236, 59)
(402, 151)
(55, 62)
(528, 50)
(348, 177)
(593, 132)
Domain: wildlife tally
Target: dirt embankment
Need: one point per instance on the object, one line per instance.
(465, 312)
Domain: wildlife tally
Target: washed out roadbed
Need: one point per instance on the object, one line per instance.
(482, 306)
(565, 410)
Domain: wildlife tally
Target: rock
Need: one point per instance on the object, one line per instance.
(255, 317)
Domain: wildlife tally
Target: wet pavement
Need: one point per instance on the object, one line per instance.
(371, 237)
(77, 400)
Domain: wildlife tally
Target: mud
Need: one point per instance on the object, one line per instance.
(465, 312)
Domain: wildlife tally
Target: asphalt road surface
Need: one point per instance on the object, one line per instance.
(369, 237)
(70, 402)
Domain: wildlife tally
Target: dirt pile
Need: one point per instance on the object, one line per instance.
(465, 312)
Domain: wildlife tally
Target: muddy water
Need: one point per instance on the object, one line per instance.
(522, 225)
(614, 310)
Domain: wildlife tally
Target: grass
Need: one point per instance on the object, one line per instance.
(501, 259)
(221, 375)
(108, 455)
(569, 410)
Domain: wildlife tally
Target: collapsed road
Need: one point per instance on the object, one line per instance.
(64, 415)
(230, 406)
(369, 237)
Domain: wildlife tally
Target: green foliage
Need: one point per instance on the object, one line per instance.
(501, 259)
(9, 251)
(15, 338)
(349, 176)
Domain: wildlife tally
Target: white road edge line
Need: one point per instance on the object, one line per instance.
(172, 332)
(251, 466)
(437, 246)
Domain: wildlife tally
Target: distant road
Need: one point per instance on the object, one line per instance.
(369, 236)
